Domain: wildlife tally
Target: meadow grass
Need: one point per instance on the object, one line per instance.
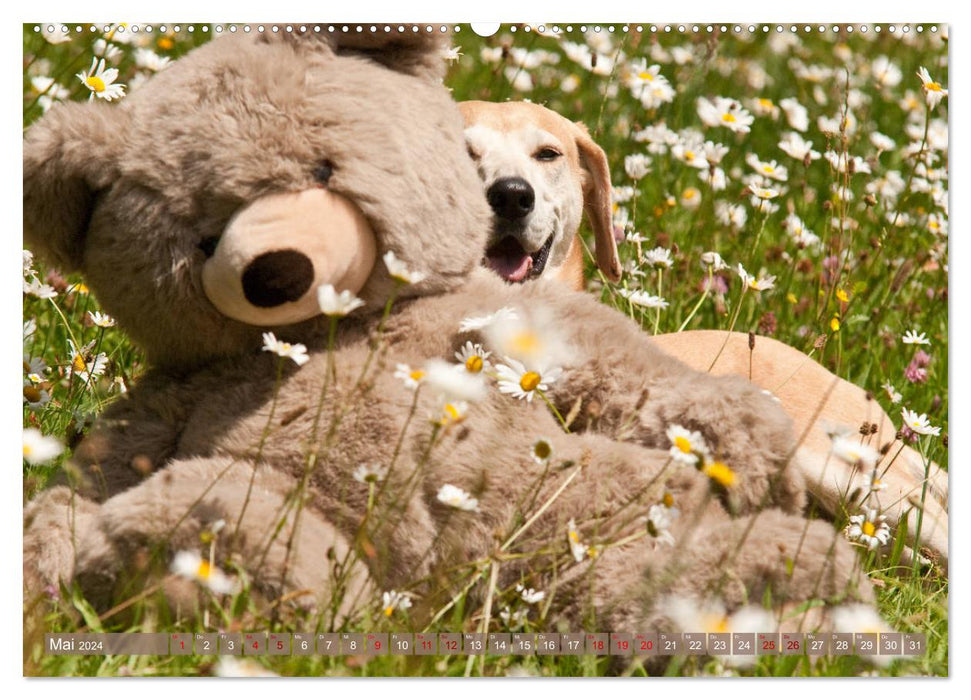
(872, 266)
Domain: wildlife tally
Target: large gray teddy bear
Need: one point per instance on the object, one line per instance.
(211, 205)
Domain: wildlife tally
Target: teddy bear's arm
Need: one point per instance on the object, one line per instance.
(629, 389)
(135, 437)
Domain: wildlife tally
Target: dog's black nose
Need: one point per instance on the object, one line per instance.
(511, 198)
(277, 277)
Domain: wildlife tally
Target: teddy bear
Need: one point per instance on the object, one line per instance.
(416, 424)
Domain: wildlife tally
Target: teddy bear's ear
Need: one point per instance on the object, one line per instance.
(69, 155)
(419, 53)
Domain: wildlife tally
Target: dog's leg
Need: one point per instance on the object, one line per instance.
(819, 401)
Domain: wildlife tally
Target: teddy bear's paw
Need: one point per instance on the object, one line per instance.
(57, 524)
(219, 526)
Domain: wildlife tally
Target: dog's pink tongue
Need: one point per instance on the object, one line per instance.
(508, 259)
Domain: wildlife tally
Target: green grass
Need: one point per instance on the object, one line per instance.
(893, 278)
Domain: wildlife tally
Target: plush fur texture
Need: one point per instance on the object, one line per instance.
(242, 118)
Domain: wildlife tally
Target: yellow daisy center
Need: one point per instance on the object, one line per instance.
(95, 83)
(525, 343)
(768, 169)
(416, 375)
(204, 570)
(689, 155)
(165, 43)
(542, 450)
(766, 102)
(683, 444)
(78, 364)
(728, 117)
(691, 193)
(388, 610)
(474, 364)
(28, 451)
(574, 537)
(668, 500)
(720, 472)
(933, 87)
(716, 624)
(452, 413)
(869, 528)
(644, 75)
(530, 381)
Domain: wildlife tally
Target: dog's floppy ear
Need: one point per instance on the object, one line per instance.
(69, 154)
(418, 53)
(596, 201)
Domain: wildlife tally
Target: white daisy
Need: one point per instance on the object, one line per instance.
(912, 337)
(918, 423)
(151, 61)
(451, 54)
(40, 448)
(529, 595)
(104, 49)
(399, 270)
(892, 393)
(885, 73)
(795, 146)
(477, 323)
(770, 169)
(659, 258)
(724, 111)
(412, 378)
(639, 297)
(637, 165)
(85, 366)
(577, 548)
(513, 619)
(733, 215)
(513, 378)
(688, 614)
(101, 320)
(659, 519)
(35, 396)
(193, 567)
(473, 357)
(713, 260)
(869, 529)
(455, 497)
(453, 382)
(796, 114)
(296, 351)
(687, 446)
(759, 285)
(101, 81)
(933, 91)
(853, 452)
(542, 451)
(337, 304)
(34, 287)
(370, 472)
(394, 600)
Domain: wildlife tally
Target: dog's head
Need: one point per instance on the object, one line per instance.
(541, 171)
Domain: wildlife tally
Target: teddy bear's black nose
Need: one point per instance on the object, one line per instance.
(277, 277)
(511, 198)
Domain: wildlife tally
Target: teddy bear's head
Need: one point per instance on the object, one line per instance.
(211, 203)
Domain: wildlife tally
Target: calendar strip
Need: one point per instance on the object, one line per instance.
(493, 643)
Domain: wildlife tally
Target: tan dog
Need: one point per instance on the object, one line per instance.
(530, 155)
(541, 173)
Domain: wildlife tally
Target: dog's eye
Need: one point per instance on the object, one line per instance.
(547, 154)
(472, 154)
(322, 173)
(208, 246)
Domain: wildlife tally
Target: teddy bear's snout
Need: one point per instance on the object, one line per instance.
(279, 250)
(277, 277)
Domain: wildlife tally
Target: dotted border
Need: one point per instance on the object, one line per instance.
(895, 29)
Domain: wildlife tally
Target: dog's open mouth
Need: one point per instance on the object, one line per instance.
(510, 260)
